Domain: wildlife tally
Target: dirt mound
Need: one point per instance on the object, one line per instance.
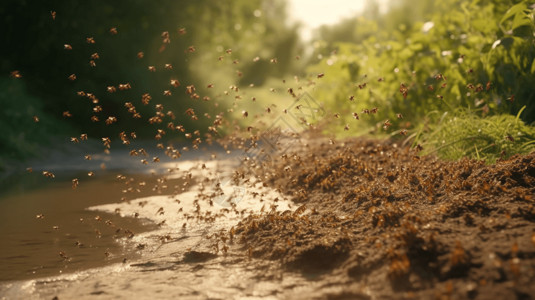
(377, 213)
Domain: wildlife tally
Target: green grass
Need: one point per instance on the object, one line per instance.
(466, 134)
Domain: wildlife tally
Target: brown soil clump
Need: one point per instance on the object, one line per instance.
(376, 213)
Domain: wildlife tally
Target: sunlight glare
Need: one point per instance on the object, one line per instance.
(314, 13)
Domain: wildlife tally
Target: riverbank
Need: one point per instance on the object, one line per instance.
(184, 255)
(326, 219)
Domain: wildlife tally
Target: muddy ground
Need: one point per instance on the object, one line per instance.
(323, 219)
(375, 220)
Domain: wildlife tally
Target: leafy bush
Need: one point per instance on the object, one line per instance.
(476, 55)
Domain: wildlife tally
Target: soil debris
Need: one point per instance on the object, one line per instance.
(376, 213)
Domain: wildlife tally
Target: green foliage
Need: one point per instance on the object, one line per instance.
(249, 59)
(511, 61)
(491, 138)
(470, 54)
(211, 27)
(21, 135)
(33, 43)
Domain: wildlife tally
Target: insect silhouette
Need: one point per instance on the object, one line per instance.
(175, 83)
(403, 90)
(15, 74)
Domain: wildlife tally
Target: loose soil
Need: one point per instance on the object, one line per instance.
(376, 220)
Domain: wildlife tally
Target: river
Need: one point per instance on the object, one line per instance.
(132, 230)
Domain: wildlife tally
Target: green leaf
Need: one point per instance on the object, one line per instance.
(521, 19)
(516, 9)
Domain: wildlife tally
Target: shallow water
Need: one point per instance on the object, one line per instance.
(180, 257)
(31, 245)
(175, 262)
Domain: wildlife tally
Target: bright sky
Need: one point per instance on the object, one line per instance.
(314, 13)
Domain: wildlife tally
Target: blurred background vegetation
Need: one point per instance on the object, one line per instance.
(453, 76)
(198, 33)
(467, 69)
